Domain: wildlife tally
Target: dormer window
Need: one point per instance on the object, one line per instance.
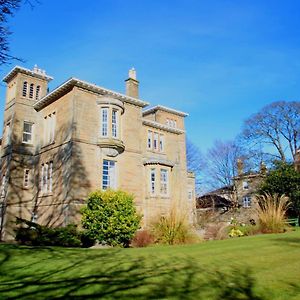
(37, 92)
(24, 92)
(31, 90)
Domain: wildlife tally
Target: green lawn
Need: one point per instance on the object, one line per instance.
(259, 267)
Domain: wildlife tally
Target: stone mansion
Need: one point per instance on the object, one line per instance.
(59, 146)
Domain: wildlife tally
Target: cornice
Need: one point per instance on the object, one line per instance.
(162, 126)
(166, 109)
(72, 82)
(18, 69)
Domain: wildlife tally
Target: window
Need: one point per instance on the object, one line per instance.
(26, 180)
(149, 140)
(108, 174)
(163, 181)
(34, 217)
(114, 123)
(37, 92)
(27, 132)
(49, 128)
(104, 121)
(190, 195)
(161, 143)
(246, 202)
(152, 181)
(31, 90)
(168, 122)
(3, 186)
(24, 92)
(245, 185)
(155, 141)
(46, 177)
(7, 134)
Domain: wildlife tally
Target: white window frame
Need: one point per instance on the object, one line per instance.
(3, 185)
(164, 182)
(47, 177)
(109, 166)
(27, 133)
(7, 133)
(26, 178)
(104, 130)
(246, 201)
(152, 181)
(114, 123)
(49, 128)
(190, 194)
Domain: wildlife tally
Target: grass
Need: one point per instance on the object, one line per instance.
(256, 267)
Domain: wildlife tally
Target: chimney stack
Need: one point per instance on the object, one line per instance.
(240, 166)
(263, 168)
(132, 84)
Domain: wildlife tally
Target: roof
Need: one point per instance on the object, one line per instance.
(18, 69)
(216, 201)
(70, 83)
(166, 109)
(162, 126)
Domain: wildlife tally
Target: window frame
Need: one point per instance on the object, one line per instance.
(247, 202)
(31, 90)
(164, 182)
(111, 176)
(104, 129)
(30, 141)
(152, 181)
(114, 123)
(245, 185)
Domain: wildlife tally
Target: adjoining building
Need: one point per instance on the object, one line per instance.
(59, 146)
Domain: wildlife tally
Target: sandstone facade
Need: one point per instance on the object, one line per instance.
(57, 147)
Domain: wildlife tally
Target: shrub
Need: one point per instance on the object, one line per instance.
(271, 212)
(142, 238)
(37, 235)
(173, 229)
(110, 217)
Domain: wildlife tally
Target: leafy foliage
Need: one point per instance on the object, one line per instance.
(284, 179)
(36, 235)
(110, 217)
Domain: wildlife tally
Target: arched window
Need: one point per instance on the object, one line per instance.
(24, 93)
(31, 90)
(37, 92)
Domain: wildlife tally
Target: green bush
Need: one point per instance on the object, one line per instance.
(36, 235)
(110, 217)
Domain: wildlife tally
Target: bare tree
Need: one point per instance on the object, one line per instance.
(7, 9)
(195, 162)
(277, 126)
(221, 162)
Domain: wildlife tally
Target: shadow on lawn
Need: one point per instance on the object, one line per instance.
(109, 274)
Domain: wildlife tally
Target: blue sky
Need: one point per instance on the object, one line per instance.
(220, 61)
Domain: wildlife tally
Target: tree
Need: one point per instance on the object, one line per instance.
(284, 179)
(110, 217)
(221, 163)
(8, 9)
(276, 125)
(195, 162)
